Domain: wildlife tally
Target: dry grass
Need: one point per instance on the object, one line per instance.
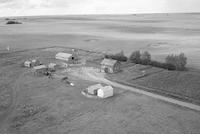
(181, 84)
(185, 84)
(46, 106)
(159, 34)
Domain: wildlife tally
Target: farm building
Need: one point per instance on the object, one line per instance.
(70, 58)
(53, 67)
(27, 63)
(105, 92)
(93, 89)
(110, 66)
(35, 62)
(42, 69)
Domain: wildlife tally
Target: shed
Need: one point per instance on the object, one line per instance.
(110, 66)
(105, 92)
(52, 66)
(42, 69)
(93, 89)
(70, 58)
(35, 62)
(27, 63)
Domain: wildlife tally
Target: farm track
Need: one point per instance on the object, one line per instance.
(93, 75)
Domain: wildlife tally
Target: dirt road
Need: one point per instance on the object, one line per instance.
(95, 75)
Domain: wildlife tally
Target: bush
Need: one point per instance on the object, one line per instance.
(162, 65)
(135, 57)
(119, 56)
(179, 61)
(13, 22)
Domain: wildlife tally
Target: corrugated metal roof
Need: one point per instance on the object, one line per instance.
(107, 88)
(109, 62)
(39, 67)
(94, 87)
(63, 56)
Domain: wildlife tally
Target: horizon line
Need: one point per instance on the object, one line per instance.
(18, 16)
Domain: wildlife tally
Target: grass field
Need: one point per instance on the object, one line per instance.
(44, 106)
(161, 34)
(38, 105)
(179, 84)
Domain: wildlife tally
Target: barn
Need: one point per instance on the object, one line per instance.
(105, 92)
(110, 66)
(67, 57)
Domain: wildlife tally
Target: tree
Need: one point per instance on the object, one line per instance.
(179, 61)
(182, 61)
(145, 58)
(135, 57)
(118, 56)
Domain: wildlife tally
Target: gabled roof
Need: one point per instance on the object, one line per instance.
(94, 87)
(107, 88)
(39, 67)
(63, 56)
(109, 62)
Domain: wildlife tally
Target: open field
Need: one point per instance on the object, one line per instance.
(160, 34)
(47, 106)
(182, 85)
(38, 105)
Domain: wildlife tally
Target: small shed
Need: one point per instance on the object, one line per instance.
(42, 69)
(52, 66)
(35, 62)
(105, 92)
(27, 63)
(93, 89)
(110, 66)
(67, 57)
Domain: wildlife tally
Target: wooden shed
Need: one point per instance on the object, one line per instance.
(35, 62)
(110, 66)
(27, 64)
(42, 69)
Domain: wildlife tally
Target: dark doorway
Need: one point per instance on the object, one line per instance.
(106, 70)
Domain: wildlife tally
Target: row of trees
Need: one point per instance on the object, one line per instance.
(118, 56)
(172, 62)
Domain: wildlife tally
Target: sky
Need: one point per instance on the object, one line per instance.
(62, 7)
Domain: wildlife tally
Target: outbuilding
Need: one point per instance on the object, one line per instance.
(52, 66)
(67, 57)
(110, 66)
(42, 69)
(94, 88)
(27, 63)
(105, 92)
(35, 62)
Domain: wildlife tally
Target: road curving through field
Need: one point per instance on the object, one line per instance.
(93, 74)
